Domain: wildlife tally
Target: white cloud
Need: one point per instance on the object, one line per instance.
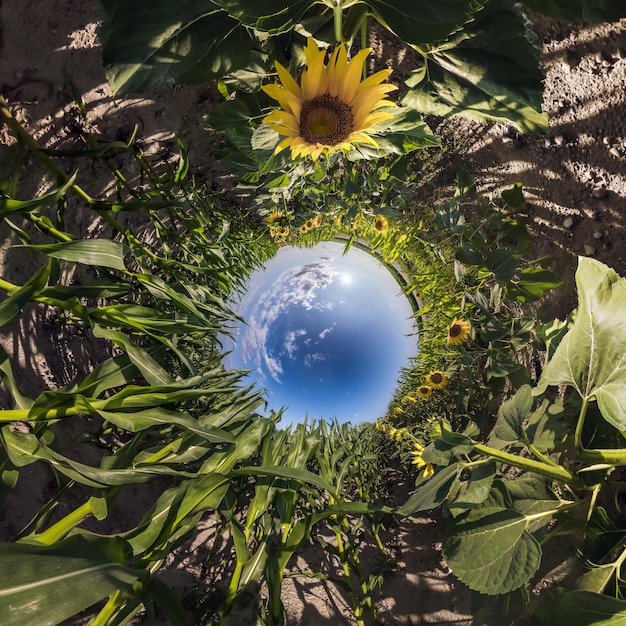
(296, 286)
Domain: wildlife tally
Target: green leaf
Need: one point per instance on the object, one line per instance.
(42, 585)
(405, 132)
(502, 263)
(424, 22)
(475, 490)
(432, 492)
(491, 551)
(511, 415)
(9, 206)
(148, 45)
(273, 16)
(533, 283)
(149, 368)
(592, 355)
(594, 12)
(489, 71)
(582, 608)
(18, 297)
(514, 196)
(6, 375)
(101, 252)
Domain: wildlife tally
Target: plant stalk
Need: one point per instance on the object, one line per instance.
(556, 472)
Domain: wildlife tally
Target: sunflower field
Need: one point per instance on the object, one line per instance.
(508, 426)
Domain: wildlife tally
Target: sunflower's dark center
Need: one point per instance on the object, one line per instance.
(455, 330)
(436, 378)
(326, 120)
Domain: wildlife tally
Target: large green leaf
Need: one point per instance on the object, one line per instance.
(489, 71)
(592, 355)
(405, 132)
(148, 44)
(583, 608)
(591, 11)
(274, 16)
(431, 493)
(102, 252)
(491, 551)
(424, 22)
(44, 585)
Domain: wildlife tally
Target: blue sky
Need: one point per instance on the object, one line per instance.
(326, 334)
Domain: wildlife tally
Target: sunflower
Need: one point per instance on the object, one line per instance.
(398, 411)
(424, 391)
(381, 224)
(275, 216)
(317, 220)
(436, 379)
(331, 109)
(429, 468)
(408, 400)
(309, 224)
(458, 331)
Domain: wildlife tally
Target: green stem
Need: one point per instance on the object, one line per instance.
(578, 433)
(338, 21)
(62, 527)
(556, 472)
(606, 456)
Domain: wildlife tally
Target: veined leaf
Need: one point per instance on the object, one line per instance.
(43, 585)
(489, 71)
(102, 252)
(592, 355)
(431, 493)
(146, 46)
(491, 551)
(424, 22)
(273, 16)
(594, 12)
(582, 608)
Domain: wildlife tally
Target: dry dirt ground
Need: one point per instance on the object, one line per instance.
(574, 180)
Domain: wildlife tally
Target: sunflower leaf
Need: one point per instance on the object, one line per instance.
(579, 10)
(147, 45)
(490, 549)
(592, 355)
(424, 22)
(489, 71)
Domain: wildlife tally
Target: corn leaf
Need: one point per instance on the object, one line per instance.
(16, 298)
(100, 252)
(43, 585)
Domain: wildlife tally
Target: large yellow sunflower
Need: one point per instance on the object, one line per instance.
(436, 379)
(332, 108)
(458, 331)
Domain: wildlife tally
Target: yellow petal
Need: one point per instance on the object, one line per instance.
(352, 78)
(314, 79)
(374, 79)
(286, 99)
(337, 67)
(288, 80)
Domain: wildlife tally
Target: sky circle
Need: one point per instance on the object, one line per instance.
(326, 334)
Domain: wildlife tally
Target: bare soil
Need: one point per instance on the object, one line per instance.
(575, 187)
